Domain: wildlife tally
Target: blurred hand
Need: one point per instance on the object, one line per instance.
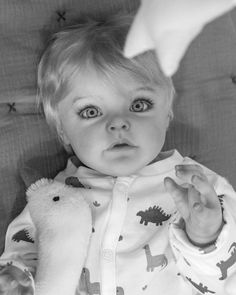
(198, 204)
(170, 26)
(13, 281)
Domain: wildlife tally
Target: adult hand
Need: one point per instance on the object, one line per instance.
(170, 26)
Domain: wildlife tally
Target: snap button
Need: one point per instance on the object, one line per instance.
(121, 187)
(233, 78)
(107, 255)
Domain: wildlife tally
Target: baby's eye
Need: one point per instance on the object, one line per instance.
(90, 112)
(141, 105)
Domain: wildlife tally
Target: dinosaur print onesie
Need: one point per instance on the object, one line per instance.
(138, 245)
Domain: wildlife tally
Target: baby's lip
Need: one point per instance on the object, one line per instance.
(121, 143)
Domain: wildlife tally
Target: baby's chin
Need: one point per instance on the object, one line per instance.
(121, 170)
(121, 166)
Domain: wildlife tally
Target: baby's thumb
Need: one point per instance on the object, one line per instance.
(173, 188)
(179, 195)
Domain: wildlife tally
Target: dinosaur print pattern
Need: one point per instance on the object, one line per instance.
(92, 288)
(221, 200)
(154, 261)
(9, 263)
(144, 288)
(73, 181)
(154, 215)
(225, 265)
(3, 266)
(22, 235)
(27, 272)
(200, 287)
(120, 238)
(120, 291)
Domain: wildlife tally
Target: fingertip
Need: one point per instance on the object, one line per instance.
(177, 167)
(195, 179)
(168, 181)
(198, 181)
(167, 184)
(198, 206)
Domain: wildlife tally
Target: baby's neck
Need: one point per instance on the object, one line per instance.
(161, 156)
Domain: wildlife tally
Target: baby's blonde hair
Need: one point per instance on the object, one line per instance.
(94, 44)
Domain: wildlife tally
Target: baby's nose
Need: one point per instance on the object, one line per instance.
(118, 124)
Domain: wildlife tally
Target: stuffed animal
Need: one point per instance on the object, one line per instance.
(170, 26)
(63, 222)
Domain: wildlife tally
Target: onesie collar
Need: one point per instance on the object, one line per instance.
(164, 163)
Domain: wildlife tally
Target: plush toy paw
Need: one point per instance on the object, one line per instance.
(170, 26)
(13, 281)
(63, 227)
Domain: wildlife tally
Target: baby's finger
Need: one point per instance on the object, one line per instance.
(195, 200)
(179, 195)
(208, 194)
(192, 167)
(186, 172)
(173, 188)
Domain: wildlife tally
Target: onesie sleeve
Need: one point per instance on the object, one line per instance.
(210, 270)
(20, 245)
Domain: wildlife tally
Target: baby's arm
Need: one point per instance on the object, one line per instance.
(18, 261)
(203, 242)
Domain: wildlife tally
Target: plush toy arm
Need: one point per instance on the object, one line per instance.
(63, 221)
(170, 26)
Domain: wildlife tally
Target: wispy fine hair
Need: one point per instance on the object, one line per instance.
(96, 44)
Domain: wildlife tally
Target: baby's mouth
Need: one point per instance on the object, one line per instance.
(121, 145)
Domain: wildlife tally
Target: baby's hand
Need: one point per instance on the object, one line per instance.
(198, 204)
(14, 281)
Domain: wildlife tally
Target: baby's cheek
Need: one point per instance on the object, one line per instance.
(155, 135)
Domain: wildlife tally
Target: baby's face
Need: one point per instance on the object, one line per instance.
(114, 126)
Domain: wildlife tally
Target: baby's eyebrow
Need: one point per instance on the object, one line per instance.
(145, 88)
(75, 99)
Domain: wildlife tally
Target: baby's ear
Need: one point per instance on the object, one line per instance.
(62, 135)
(171, 115)
(64, 138)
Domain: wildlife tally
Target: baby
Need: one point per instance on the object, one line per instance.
(162, 223)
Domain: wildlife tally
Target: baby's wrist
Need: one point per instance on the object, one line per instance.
(203, 240)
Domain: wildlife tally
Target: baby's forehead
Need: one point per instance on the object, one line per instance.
(143, 76)
(93, 82)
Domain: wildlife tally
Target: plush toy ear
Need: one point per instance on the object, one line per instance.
(170, 26)
(36, 185)
(29, 175)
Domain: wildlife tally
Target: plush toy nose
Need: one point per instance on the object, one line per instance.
(56, 199)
